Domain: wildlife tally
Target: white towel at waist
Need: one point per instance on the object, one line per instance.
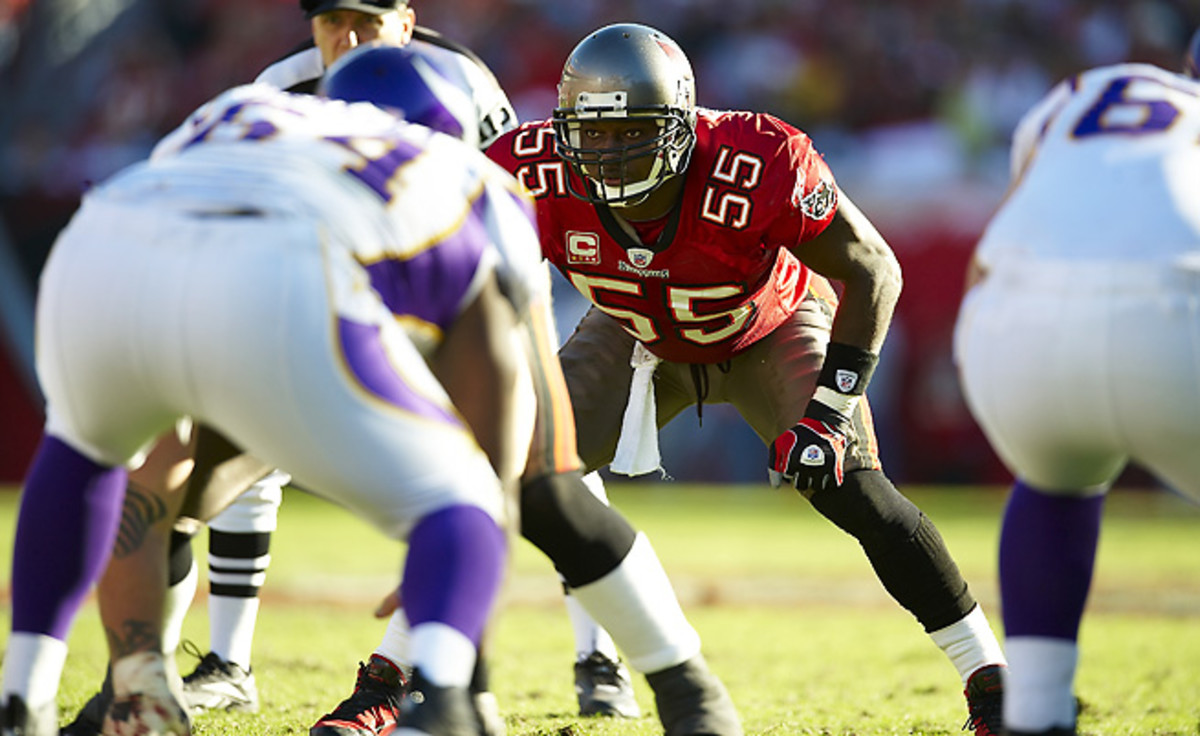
(637, 449)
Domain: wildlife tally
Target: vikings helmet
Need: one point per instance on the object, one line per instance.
(404, 80)
(1191, 59)
(626, 72)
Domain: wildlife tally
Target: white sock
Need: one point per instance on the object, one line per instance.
(396, 641)
(33, 665)
(231, 628)
(969, 643)
(589, 636)
(1038, 691)
(637, 605)
(175, 608)
(445, 656)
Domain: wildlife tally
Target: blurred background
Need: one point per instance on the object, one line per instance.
(911, 101)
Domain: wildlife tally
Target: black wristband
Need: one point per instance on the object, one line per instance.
(847, 369)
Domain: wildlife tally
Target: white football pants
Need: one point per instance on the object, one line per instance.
(1074, 369)
(145, 316)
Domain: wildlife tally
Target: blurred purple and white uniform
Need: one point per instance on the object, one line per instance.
(266, 220)
(255, 511)
(250, 276)
(1078, 349)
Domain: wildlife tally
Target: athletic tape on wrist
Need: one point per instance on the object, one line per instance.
(841, 403)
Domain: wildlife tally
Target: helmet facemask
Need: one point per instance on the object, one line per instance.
(668, 150)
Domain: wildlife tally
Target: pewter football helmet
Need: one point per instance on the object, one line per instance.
(626, 72)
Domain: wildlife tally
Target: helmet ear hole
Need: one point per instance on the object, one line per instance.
(626, 71)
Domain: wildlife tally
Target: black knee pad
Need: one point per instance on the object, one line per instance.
(584, 538)
(904, 547)
(179, 557)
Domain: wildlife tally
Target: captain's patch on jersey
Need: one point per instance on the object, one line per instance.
(583, 248)
(818, 203)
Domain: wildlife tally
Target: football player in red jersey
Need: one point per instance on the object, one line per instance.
(706, 242)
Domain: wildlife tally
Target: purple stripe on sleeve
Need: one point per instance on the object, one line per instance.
(431, 284)
(362, 349)
(377, 171)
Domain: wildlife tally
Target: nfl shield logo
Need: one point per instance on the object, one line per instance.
(846, 380)
(640, 257)
(812, 455)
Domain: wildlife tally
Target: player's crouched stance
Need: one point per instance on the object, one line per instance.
(706, 241)
(224, 280)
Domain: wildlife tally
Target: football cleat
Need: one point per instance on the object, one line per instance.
(985, 701)
(430, 710)
(143, 703)
(691, 701)
(373, 706)
(91, 716)
(604, 688)
(16, 719)
(219, 685)
(138, 714)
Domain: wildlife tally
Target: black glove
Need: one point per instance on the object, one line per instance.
(811, 454)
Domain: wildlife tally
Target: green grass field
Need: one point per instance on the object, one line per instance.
(790, 613)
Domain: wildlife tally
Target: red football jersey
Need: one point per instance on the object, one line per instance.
(720, 276)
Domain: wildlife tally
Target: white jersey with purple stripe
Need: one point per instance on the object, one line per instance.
(1122, 140)
(426, 252)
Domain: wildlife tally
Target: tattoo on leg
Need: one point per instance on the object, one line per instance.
(141, 511)
(139, 636)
